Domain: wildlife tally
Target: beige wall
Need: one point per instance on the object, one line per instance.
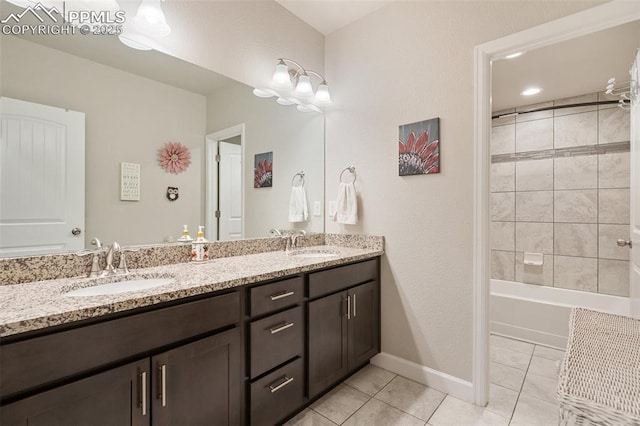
(408, 62)
(297, 142)
(128, 118)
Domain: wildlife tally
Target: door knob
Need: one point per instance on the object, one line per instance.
(622, 243)
(76, 231)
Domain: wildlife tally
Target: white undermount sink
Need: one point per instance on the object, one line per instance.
(314, 253)
(119, 287)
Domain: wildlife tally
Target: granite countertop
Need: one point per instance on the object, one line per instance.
(37, 305)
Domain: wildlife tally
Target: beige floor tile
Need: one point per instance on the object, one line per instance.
(502, 401)
(411, 397)
(456, 412)
(544, 367)
(549, 353)
(507, 377)
(377, 413)
(370, 379)
(534, 412)
(309, 418)
(340, 403)
(510, 358)
(514, 345)
(540, 387)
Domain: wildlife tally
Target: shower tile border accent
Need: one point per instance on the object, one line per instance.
(574, 151)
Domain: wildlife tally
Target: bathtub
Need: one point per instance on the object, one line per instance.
(540, 314)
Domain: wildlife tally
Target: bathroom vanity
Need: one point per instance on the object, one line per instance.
(247, 345)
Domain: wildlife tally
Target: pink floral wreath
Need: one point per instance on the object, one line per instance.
(174, 157)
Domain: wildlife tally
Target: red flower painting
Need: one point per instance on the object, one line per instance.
(419, 155)
(263, 170)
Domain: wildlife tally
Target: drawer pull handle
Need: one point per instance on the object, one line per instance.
(276, 388)
(143, 392)
(163, 384)
(278, 329)
(281, 295)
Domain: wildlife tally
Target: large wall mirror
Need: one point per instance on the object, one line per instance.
(133, 103)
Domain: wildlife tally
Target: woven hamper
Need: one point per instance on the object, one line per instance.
(599, 381)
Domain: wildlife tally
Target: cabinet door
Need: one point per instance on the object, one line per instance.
(199, 383)
(327, 341)
(364, 328)
(112, 398)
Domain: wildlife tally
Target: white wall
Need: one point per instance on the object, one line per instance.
(128, 118)
(408, 62)
(297, 142)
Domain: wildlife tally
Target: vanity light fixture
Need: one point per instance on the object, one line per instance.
(291, 84)
(149, 23)
(531, 91)
(626, 91)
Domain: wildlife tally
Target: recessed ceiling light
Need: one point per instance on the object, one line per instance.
(531, 91)
(514, 55)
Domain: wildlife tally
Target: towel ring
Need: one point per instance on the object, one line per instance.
(352, 170)
(301, 176)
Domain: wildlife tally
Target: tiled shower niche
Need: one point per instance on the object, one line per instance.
(560, 186)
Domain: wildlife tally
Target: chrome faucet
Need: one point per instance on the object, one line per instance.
(276, 232)
(122, 267)
(295, 236)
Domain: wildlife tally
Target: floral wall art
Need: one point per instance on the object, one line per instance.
(263, 170)
(419, 148)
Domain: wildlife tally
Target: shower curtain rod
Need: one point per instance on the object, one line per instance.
(513, 114)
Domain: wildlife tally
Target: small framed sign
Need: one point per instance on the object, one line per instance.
(129, 182)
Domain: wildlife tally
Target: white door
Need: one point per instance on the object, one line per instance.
(635, 195)
(230, 184)
(41, 179)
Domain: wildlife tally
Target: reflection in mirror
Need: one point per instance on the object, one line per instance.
(133, 104)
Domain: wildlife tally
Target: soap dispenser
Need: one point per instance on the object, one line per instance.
(199, 248)
(185, 235)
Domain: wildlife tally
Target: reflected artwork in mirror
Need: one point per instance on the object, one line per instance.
(134, 103)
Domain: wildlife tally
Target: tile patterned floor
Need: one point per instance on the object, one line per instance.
(524, 377)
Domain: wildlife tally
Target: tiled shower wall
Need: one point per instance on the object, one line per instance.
(560, 187)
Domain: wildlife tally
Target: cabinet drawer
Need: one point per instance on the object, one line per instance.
(41, 360)
(278, 394)
(276, 339)
(280, 294)
(331, 280)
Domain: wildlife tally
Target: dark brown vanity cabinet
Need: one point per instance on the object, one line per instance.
(276, 351)
(343, 327)
(198, 381)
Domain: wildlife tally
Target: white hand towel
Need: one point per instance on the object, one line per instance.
(298, 211)
(346, 204)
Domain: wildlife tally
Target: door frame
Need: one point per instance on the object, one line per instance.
(211, 176)
(617, 12)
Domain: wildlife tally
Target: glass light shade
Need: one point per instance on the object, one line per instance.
(263, 93)
(304, 88)
(308, 108)
(281, 78)
(323, 97)
(151, 20)
(284, 101)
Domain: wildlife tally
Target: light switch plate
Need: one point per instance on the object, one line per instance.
(332, 208)
(317, 208)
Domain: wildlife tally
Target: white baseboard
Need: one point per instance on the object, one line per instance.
(438, 380)
(528, 335)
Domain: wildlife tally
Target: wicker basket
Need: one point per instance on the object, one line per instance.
(599, 381)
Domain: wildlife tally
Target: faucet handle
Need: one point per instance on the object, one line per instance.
(122, 266)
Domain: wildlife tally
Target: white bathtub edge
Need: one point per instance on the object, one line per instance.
(537, 337)
(438, 380)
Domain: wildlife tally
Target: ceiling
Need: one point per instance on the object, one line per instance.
(575, 67)
(327, 16)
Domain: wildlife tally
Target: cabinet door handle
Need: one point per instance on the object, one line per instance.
(278, 329)
(354, 305)
(143, 392)
(282, 295)
(348, 307)
(162, 391)
(285, 381)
